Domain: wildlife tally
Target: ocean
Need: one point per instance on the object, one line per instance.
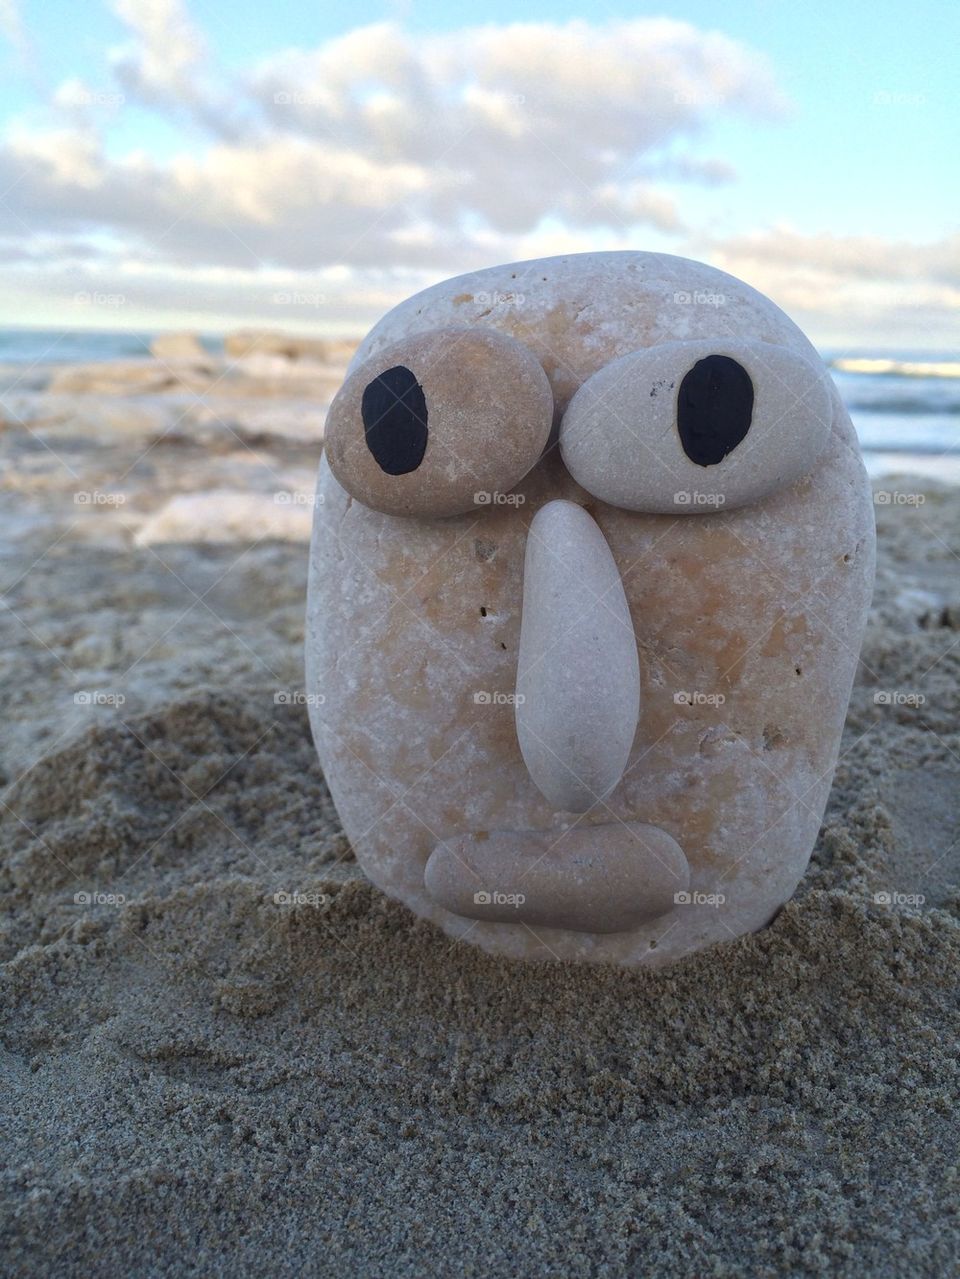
(905, 405)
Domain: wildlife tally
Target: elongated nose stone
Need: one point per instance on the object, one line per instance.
(578, 677)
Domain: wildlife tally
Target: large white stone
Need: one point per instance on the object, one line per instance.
(747, 626)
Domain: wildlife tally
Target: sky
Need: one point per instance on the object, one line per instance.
(172, 164)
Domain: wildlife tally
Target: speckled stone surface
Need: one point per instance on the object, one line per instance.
(747, 624)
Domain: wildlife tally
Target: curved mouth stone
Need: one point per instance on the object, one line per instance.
(589, 879)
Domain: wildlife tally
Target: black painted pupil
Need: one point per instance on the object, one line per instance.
(714, 409)
(394, 413)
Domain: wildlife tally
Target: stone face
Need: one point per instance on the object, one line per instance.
(578, 679)
(686, 427)
(439, 424)
(746, 621)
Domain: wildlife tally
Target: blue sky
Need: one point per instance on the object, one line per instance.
(208, 164)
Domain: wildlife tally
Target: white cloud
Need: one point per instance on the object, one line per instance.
(881, 288)
(11, 26)
(380, 160)
(381, 148)
(520, 122)
(851, 256)
(166, 65)
(167, 49)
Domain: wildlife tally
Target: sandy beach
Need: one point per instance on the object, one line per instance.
(226, 1053)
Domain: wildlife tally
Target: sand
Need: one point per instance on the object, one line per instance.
(203, 1076)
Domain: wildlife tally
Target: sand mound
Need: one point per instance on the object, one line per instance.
(225, 1053)
(161, 799)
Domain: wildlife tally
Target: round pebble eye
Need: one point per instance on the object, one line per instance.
(439, 424)
(690, 428)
